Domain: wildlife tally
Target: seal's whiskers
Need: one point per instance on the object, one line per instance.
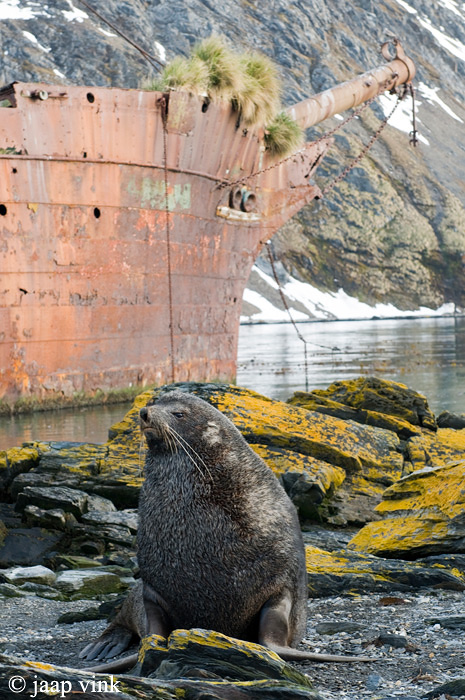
(189, 450)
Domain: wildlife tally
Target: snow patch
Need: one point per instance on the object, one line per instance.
(453, 46)
(430, 95)
(106, 32)
(407, 7)
(161, 51)
(326, 305)
(10, 9)
(402, 117)
(59, 73)
(35, 41)
(74, 13)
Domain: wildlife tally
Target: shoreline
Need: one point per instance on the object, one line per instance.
(410, 317)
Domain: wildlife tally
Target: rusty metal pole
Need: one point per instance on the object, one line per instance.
(353, 92)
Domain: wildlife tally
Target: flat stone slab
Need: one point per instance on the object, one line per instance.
(88, 582)
(33, 574)
(344, 571)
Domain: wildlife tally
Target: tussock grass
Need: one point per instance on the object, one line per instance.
(250, 81)
(283, 135)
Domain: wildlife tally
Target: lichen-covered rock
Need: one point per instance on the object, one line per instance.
(424, 514)
(436, 449)
(346, 571)
(314, 401)
(15, 461)
(377, 397)
(211, 655)
(309, 482)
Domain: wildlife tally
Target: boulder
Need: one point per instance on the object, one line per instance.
(28, 546)
(377, 397)
(69, 500)
(32, 574)
(423, 514)
(83, 583)
(212, 657)
(125, 518)
(346, 571)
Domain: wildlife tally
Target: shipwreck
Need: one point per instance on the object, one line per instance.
(130, 221)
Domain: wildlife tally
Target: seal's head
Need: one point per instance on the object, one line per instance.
(180, 422)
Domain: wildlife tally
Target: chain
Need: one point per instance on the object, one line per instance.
(364, 150)
(413, 133)
(164, 113)
(310, 144)
(286, 306)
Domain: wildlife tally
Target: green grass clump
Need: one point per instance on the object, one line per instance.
(260, 97)
(283, 135)
(225, 77)
(250, 81)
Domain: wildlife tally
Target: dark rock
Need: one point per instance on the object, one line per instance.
(70, 618)
(332, 573)
(26, 547)
(336, 627)
(450, 420)
(452, 689)
(69, 500)
(124, 518)
(451, 561)
(397, 641)
(454, 622)
(54, 519)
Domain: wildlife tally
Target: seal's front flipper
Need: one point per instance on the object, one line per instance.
(158, 620)
(112, 642)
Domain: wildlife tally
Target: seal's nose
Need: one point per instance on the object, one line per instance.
(143, 413)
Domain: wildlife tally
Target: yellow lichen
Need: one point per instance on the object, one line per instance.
(399, 534)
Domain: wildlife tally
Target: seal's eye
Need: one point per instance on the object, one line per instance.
(178, 414)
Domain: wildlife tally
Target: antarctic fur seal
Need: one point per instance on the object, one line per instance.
(219, 541)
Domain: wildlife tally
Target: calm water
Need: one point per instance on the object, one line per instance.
(426, 354)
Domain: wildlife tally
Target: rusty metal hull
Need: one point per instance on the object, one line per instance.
(93, 181)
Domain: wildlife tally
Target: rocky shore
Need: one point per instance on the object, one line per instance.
(378, 481)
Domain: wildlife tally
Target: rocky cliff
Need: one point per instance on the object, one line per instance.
(394, 229)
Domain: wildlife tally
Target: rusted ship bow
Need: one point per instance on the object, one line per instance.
(128, 231)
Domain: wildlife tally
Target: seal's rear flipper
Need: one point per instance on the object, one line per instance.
(112, 642)
(129, 625)
(274, 633)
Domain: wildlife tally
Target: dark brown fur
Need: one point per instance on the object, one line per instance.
(219, 542)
